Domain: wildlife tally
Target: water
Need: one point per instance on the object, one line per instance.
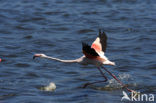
(57, 28)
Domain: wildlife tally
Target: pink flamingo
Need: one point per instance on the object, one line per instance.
(93, 54)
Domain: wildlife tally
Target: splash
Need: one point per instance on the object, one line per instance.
(50, 87)
(123, 77)
(114, 85)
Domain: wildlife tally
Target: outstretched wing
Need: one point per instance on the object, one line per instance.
(88, 51)
(100, 42)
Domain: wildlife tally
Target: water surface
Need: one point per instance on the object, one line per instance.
(57, 28)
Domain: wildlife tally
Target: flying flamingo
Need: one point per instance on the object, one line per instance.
(93, 54)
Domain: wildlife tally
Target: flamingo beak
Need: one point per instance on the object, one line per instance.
(36, 55)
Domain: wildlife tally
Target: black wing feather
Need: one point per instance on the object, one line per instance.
(89, 50)
(103, 40)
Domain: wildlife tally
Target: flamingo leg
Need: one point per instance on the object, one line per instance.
(117, 79)
(85, 85)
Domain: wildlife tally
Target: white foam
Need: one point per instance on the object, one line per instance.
(122, 77)
(50, 87)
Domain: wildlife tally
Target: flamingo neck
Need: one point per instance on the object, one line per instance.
(65, 61)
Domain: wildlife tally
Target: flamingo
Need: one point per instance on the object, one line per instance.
(0, 59)
(94, 54)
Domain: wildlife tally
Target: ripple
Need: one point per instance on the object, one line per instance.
(11, 56)
(43, 42)
(53, 13)
(28, 37)
(7, 96)
(31, 74)
(150, 66)
(23, 27)
(89, 13)
(63, 28)
(85, 31)
(12, 47)
(66, 15)
(37, 18)
(5, 32)
(22, 65)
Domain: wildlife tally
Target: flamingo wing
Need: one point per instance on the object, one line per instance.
(100, 42)
(88, 51)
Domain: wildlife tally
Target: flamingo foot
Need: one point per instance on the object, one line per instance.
(123, 86)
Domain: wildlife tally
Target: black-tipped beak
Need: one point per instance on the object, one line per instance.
(34, 57)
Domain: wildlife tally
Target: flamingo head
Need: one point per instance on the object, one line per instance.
(39, 55)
